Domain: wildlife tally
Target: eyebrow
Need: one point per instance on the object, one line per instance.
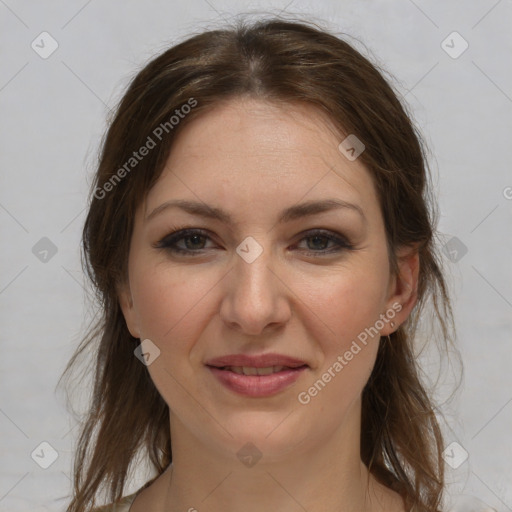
(292, 213)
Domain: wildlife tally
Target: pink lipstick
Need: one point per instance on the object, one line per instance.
(256, 376)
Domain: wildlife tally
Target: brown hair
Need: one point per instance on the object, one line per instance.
(287, 62)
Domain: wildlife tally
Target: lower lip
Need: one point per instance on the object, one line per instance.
(257, 385)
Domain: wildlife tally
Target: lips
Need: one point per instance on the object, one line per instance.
(256, 376)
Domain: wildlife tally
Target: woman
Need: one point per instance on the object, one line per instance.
(261, 237)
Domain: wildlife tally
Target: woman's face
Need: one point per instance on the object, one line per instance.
(264, 317)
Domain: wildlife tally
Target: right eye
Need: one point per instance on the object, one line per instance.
(184, 241)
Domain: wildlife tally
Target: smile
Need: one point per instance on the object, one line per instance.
(248, 370)
(257, 382)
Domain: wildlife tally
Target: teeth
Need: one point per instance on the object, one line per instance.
(247, 370)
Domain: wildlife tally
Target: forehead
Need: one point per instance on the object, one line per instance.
(248, 151)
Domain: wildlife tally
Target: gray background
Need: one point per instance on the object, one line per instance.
(54, 113)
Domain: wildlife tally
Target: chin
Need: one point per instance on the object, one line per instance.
(269, 435)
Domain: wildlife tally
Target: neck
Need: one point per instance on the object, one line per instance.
(322, 476)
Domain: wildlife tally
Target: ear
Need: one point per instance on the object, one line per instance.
(403, 288)
(126, 303)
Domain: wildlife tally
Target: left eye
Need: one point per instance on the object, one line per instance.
(320, 242)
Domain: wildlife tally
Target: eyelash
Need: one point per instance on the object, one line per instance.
(169, 242)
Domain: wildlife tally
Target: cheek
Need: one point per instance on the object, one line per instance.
(346, 303)
(343, 310)
(170, 302)
(173, 308)
(347, 311)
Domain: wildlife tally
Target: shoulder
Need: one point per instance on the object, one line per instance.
(122, 505)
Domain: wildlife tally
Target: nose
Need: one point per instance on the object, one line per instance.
(255, 297)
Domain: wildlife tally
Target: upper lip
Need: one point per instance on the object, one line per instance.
(255, 361)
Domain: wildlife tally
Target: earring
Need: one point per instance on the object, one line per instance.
(392, 324)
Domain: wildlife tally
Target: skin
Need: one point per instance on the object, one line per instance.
(301, 297)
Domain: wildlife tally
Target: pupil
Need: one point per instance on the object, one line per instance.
(194, 239)
(321, 239)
